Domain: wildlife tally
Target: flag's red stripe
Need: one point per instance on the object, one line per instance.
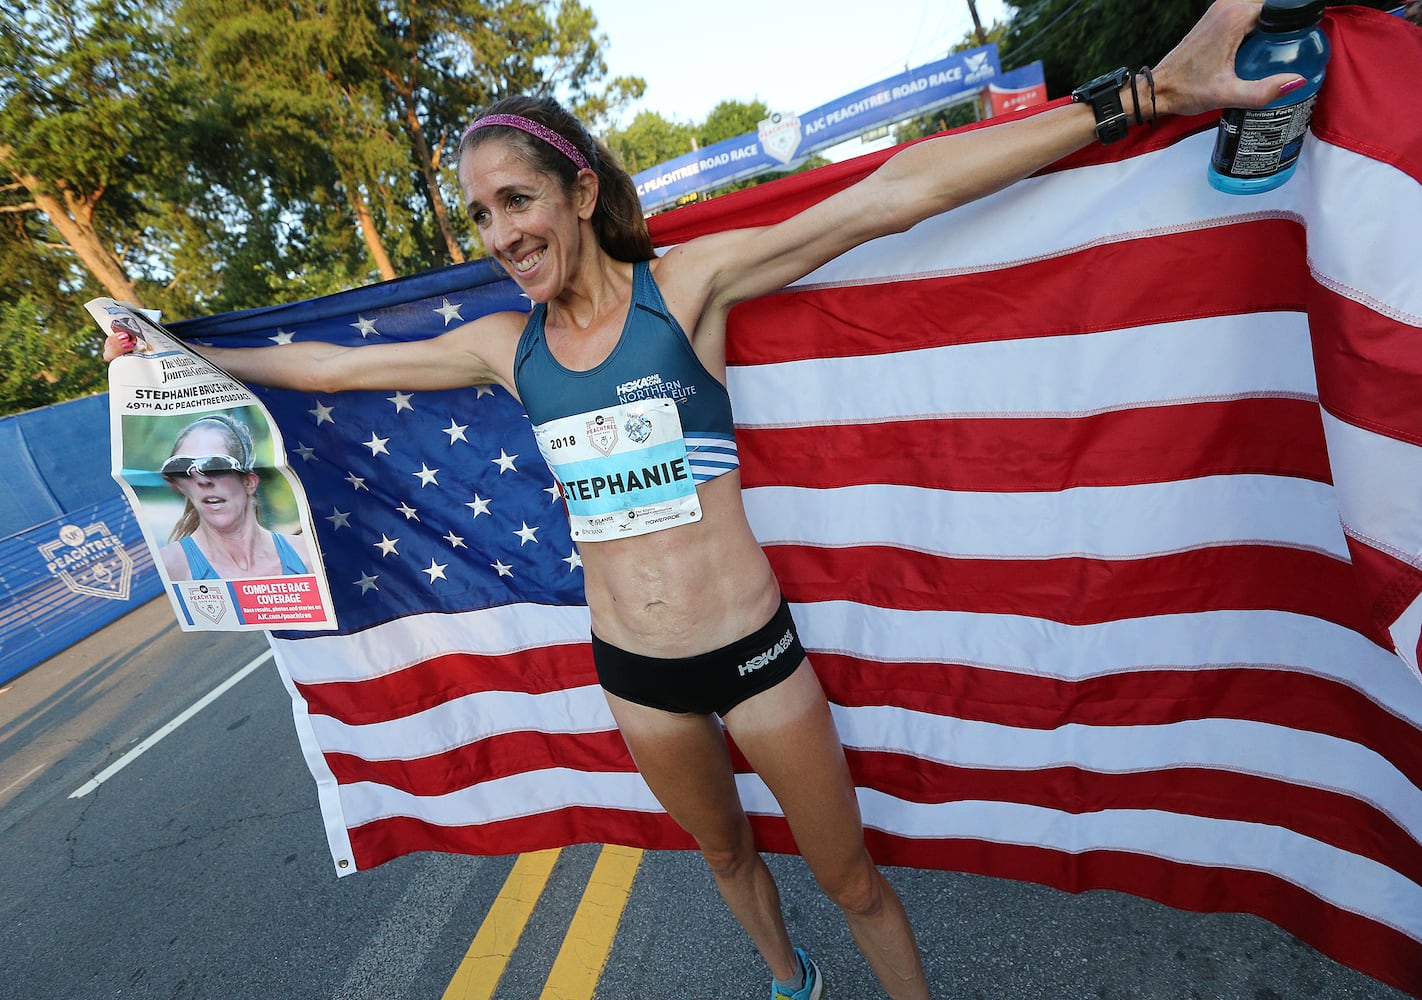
(427, 683)
(1079, 590)
(1248, 267)
(380, 841)
(1361, 108)
(1151, 444)
(488, 759)
(1133, 698)
(1369, 366)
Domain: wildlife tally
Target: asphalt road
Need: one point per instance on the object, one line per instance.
(200, 870)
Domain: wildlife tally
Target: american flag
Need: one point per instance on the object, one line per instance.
(1097, 503)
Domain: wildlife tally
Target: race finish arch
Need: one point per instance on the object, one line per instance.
(784, 141)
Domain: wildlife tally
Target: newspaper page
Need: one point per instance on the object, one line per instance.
(204, 467)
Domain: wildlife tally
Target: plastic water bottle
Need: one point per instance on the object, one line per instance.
(1257, 150)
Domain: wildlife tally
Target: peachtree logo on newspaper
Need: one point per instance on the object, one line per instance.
(208, 600)
(780, 136)
(90, 561)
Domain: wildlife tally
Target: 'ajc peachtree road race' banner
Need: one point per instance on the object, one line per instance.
(784, 140)
(1098, 503)
(204, 469)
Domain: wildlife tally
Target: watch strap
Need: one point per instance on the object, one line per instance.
(1104, 96)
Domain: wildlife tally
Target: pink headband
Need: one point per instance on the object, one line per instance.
(533, 128)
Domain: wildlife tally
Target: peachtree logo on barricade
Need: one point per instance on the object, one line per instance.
(90, 561)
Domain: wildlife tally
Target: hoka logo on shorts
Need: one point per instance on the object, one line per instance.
(769, 656)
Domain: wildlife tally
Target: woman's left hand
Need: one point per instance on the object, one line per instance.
(1198, 74)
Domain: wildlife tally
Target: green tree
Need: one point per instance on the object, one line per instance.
(650, 139)
(84, 109)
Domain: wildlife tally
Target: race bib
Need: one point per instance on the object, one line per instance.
(623, 471)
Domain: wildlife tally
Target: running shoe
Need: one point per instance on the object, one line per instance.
(813, 987)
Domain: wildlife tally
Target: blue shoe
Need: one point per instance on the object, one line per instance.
(813, 987)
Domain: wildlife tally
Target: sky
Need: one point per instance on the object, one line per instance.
(794, 55)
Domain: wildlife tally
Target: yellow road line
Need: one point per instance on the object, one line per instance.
(483, 966)
(589, 941)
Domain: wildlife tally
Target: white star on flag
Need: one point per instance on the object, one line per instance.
(322, 413)
(574, 560)
(387, 546)
(339, 519)
(478, 505)
(503, 569)
(306, 452)
(449, 311)
(377, 445)
(365, 326)
(526, 535)
(436, 571)
(505, 462)
(366, 582)
(426, 475)
(455, 541)
(401, 401)
(358, 482)
(282, 337)
(456, 431)
(411, 514)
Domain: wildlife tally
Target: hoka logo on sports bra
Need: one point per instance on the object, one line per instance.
(654, 387)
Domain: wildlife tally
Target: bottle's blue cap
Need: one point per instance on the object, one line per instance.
(1290, 15)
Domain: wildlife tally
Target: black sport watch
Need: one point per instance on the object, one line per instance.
(1104, 96)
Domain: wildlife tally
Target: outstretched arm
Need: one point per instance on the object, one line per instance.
(939, 174)
(477, 353)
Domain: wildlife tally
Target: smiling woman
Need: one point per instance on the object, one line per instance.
(621, 368)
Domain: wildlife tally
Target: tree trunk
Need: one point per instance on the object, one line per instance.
(73, 218)
(365, 222)
(430, 172)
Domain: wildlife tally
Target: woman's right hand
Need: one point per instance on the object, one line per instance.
(119, 343)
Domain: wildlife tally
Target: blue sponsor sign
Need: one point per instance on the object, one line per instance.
(68, 577)
(784, 140)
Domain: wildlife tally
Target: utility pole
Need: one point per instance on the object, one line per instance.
(977, 22)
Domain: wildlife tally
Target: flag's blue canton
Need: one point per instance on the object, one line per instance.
(423, 501)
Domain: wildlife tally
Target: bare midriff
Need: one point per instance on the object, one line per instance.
(685, 590)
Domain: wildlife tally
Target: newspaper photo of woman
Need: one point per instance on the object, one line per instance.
(219, 535)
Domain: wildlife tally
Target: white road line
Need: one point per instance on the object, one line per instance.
(149, 743)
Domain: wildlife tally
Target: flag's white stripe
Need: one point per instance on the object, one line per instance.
(1350, 203)
(392, 646)
(1347, 880)
(1354, 239)
(1379, 485)
(1106, 521)
(463, 720)
(1261, 354)
(1040, 648)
